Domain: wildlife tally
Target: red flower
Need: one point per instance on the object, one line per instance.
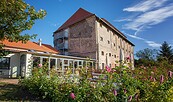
(170, 74)
(108, 69)
(161, 79)
(72, 95)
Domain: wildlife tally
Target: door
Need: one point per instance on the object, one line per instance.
(22, 65)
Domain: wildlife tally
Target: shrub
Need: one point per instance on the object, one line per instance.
(120, 84)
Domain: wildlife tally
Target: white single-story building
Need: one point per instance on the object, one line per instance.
(25, 56)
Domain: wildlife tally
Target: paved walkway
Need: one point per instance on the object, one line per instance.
(10, 81)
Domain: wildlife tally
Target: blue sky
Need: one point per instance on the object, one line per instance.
(146, 23)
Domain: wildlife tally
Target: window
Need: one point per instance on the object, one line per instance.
(5, 63)
(101, 38)
(36, 61)
(114, 56)
(107, 30)
(108, 42)
(45, 62)
(102, 53)
(100, 25)
(110, 65)
(103, 65)
(114, 44)
(52, 63)
(66, 62)
(110, 54)
(80, 62)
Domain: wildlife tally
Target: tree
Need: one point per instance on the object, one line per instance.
(166, 52)
(147, 54)
(17, 16)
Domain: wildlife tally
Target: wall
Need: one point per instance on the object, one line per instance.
(82, 38)
(112, 49)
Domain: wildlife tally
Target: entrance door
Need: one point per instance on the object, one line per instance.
(22, 65)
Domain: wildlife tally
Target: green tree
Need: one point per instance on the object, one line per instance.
(147, 54)
(146, 57)
(17, 16)
(165, 52)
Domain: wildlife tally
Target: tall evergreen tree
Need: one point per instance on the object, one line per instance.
(166, 52)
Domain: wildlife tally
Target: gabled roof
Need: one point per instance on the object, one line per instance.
(79, 15)
(28, 46)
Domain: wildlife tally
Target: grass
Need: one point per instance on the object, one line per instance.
(12, 92)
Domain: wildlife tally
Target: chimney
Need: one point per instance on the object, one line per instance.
(39, 42)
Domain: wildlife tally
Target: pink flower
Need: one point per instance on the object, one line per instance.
(125, 91)
(154, 79)
(39, 65)
(130, 99)
(72, 95)
(161, 79)
(115, 92)
(170, 74)
(128, 57)
(108, 69)
(151, 78)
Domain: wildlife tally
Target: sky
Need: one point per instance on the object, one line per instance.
(146, 23)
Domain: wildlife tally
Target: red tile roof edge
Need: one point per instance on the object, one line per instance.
(30, 46)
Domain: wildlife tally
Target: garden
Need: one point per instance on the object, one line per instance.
(120, 84)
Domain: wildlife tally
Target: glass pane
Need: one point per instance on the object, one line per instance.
(52, 63)
(36, 61)
(45, 61)
(4, 63)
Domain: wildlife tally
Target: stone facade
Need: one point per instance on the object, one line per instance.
(112, 47)
(95, 38)
(82, 38)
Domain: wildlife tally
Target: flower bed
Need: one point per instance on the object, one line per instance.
(120, 85)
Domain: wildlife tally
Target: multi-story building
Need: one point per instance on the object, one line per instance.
(86, 35)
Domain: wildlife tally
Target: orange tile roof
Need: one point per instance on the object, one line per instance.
(79, 15)
(30, 46)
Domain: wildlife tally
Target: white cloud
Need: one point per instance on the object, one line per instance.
(145, 5)
(122, 20)
(135, 37)
(150, 18)
(150, 43)
(153, 44)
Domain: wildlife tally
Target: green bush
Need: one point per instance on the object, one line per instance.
(120, 84)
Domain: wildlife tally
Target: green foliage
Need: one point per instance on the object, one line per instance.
(166, 52)
(147, 54)
(120, 84)
(17, 16)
